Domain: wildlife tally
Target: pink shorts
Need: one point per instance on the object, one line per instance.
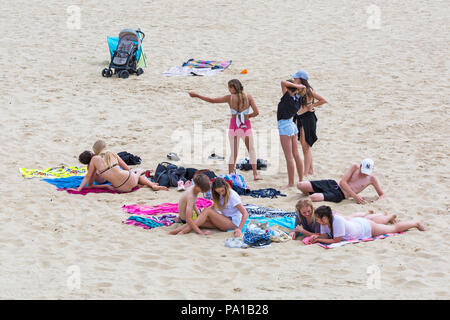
(244, 130)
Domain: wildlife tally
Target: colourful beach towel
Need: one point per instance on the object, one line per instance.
(151, 222)
(198, 68)
(343, 243)
(213, 64)
(85, 191)
(141, 209)
(58, 172)
(66, 183)
(286, 222)
(149, 217)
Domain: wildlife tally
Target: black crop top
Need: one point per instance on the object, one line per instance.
(287, 107)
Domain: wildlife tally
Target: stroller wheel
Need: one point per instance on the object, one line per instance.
(105, 72)
(139, 71)
(124, 74)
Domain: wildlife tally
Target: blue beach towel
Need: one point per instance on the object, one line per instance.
(67, 183)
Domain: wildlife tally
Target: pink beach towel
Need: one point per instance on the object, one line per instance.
(85, 191)
(150, 212)
(343, 243)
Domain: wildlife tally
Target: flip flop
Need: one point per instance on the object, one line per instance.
(173, 156)
(216, 157)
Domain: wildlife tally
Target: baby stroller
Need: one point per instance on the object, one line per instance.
(126, 53)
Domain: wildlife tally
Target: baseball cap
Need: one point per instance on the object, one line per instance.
(367, 166)
(301, 74)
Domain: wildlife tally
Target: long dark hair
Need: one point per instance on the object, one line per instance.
(308, 95)
(325, 211)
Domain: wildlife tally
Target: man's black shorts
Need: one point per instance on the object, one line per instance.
(330, 189)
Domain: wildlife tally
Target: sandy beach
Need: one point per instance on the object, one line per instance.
(385, 75)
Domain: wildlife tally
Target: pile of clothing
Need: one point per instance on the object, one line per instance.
(170, 175)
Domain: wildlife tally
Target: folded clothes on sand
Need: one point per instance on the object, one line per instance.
(257, 211)
(58, 172)
(343, 243)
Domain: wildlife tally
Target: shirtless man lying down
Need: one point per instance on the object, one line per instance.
(355, 180)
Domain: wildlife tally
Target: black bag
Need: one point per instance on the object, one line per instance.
(162, 173)
(176, 175)
(190, 173)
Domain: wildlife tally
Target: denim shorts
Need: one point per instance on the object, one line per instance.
(287, 127)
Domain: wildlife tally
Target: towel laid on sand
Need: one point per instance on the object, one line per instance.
(85, 191)
(141, 209)
(63, 184)
(58, 172)
(198, 68)
(286, 222)
(257, 211)
(149, 217)
(343, 243)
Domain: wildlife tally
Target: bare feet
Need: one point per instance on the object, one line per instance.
(393, 219)
(421, 226)
(157, 188)
(257, 178)
(287, 186)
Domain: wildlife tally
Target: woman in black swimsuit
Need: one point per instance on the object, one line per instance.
(107, 167)
(306, 119)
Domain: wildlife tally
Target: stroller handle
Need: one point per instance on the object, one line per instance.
(143, 34)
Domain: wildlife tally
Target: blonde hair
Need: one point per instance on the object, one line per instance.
(220, 183)
(302, 203)
(99, 146)
(109, 158)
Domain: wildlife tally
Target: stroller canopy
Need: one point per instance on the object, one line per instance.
(128, 39)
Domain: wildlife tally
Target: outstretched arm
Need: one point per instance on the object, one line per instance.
(210, 100)
(286, 84)
(377, 187)
(238, 230)
(253, 106)
(88, 176)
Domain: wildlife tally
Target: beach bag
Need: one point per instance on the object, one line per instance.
(257, 234)
(162, 173)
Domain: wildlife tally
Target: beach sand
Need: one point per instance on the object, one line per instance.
(387, 90)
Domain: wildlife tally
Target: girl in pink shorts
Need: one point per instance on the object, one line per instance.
(240, 126)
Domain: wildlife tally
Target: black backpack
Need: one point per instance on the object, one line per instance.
(162, 173)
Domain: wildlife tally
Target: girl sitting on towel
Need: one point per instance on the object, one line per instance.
(227, 212)
(335, 228)
(305, 222)
(240, 126)
(107, 167)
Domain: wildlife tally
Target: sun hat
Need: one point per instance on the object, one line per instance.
(367, 166)
(301, 74)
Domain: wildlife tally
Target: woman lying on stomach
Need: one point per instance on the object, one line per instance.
(107, 167)
(335, 228)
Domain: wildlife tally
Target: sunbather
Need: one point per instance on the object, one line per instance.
(355, 180)
(305, 222)
(107, 167)
(335, 228)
